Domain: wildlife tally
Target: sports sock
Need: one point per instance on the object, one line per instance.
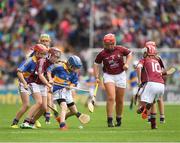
(32, 122)
(78, 114)
(62, 124)
(15, 121)
(110, 122)
(27, 120)
(118, 120)
(109, 119)
(162, 118)
(47, 116)
(153, 121)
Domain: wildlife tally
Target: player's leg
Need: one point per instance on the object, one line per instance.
(120, 92)
(131, 102)
(34, 108)
(161, 109)
(147, 98)
(63, 107)
(73, 110)
(110, 90)
(41, 110)
(153, 117)
(47, 113)
(24, 108)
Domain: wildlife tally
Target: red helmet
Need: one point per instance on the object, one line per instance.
(40, 48)
(109, 38)
(55, 52)
(151, 48)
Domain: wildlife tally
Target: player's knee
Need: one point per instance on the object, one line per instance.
(39, 103)
(111, 99)
(43, 107)
(121, 102)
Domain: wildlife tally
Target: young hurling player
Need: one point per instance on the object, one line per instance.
(150, 72)
(114, 75)
(24, 73)
(66, 74)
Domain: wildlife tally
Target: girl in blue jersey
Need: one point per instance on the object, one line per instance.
(25, 73)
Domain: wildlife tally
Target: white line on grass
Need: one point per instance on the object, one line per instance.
(88, 132)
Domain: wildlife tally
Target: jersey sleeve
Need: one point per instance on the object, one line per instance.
(125, 51)
(74, 79)
(99, 58)
(140, 63)
(24, 66)
(51, 68)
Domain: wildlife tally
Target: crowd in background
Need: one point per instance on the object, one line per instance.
(22, 22)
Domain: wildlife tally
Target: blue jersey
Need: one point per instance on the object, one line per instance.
(133, 79)
(62, 76)
(28, 67)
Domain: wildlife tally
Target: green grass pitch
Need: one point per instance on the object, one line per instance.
(133, 128)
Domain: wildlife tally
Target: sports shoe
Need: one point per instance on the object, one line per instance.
(37, 124)
(118, 124)
(26, 126)
(111, 125)
(153, 126)
(65, 128)
(48, 122)
(162, 120)
(14, 126)
(153, 123)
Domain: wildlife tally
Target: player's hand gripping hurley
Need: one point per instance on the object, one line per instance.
(92, 101)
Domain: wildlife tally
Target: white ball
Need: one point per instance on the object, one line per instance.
(80, 127)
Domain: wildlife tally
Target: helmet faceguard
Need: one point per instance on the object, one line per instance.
(54, 54)
(109, 41)
(40, 50)
(150, 48)
(74, 62)
(45, 40)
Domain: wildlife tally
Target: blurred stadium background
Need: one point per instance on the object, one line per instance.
(78, 26)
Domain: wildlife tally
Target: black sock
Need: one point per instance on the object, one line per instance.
(15, 121)
(118, 120)
(32, 122)
(153, 120)
(27, 120)
(109, 120)
(78, 114)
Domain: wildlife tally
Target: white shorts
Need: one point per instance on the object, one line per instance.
(152, 91)
(38, 88)
(134, 90)
(118, 79)
(63, 94)
(23, 90)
